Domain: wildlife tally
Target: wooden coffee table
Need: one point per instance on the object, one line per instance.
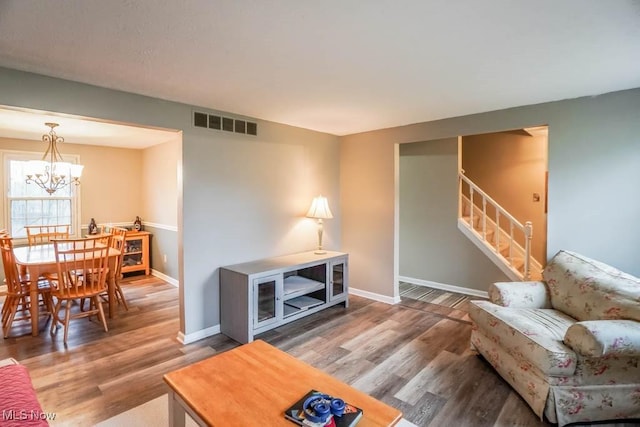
(253, 385)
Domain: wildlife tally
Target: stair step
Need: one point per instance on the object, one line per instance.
(518, 263)
(535, 275)
(503, 249)
(490, 235)
(467, 219)
(478, 225)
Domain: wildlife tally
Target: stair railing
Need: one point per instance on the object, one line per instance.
(526, 229)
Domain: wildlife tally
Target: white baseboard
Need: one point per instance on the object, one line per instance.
(373, 296)
(196, 336)
(444, 287)
(166, 278)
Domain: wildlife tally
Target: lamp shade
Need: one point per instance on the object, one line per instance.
(319, 208)
(76, 170)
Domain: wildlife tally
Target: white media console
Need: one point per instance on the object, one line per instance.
(261, 295)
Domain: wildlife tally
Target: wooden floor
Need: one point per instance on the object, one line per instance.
(414, 355)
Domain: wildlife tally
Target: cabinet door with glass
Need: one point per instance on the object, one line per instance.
(267, 308)
(136, 252)
(338, 286)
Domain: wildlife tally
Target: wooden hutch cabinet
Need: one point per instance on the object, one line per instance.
(136, 252)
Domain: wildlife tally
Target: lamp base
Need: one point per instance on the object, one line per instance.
(320, 251)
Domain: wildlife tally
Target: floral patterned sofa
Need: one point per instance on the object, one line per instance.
(569, 345)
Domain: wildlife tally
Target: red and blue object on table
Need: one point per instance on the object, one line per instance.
(317, 409)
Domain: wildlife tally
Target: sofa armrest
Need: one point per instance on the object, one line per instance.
(597, 338)
(520, 294)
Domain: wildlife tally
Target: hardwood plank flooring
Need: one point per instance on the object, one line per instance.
(414, 355)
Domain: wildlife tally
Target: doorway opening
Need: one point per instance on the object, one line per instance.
(431, 249)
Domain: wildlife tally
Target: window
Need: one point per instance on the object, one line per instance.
(28, 204)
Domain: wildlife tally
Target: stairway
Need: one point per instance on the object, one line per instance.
(497, 235)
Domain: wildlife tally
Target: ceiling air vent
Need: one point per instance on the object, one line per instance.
(228, 124)
(200, 120)
(215, 122)
(241, 126)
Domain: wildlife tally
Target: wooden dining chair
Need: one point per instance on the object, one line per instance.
(82, 269)
(106, 228)
(118, 240)
(3, 287)
(42, 234)
(103, 238)
(17, 303)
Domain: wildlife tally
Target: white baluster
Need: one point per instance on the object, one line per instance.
(484, 218)
(460, 208)
(528, 235)
(497, 231)
(471, 205)
(511, 243)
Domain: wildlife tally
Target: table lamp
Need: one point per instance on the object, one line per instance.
(320, 210)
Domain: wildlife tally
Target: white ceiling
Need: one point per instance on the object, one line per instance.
(23, 124)
(337, 66)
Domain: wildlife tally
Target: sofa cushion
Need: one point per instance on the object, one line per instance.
(520, 294)
(597, 338)
(590, 290)
(532, 336)
(18, 401)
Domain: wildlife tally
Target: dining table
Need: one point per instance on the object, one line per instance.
(39, 260)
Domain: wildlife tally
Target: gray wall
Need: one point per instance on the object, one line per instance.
(163, 242)
(594, 159)
(242, 197)
(160, 196)
(431, 246)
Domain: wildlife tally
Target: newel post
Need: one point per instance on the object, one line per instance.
(528, 235)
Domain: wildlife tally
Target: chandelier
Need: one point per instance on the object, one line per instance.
(52, 173)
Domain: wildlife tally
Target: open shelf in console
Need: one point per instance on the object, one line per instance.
(301, 303)
(296, 286)
(304, 288)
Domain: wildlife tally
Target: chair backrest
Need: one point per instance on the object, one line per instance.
(41, 234)
(119, 234)
(11, 274)
(103, 238)
(118, 242)
(106, 228)
(83, 265)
